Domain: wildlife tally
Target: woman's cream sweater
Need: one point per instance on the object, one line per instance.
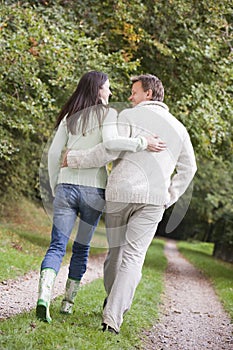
(95, 176)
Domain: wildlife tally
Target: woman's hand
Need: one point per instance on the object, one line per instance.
(155, 144)
(64, 160)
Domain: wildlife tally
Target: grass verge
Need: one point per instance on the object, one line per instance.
(218, 272)
(82, 330)
(25, 237)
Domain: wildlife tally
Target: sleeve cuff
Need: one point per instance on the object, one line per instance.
(72, 159)
(143, 143)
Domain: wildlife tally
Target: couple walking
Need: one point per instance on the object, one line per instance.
(149, 174)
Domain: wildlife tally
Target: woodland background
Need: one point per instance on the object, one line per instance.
(45, 47)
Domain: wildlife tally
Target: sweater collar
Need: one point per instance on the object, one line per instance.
(152, 103)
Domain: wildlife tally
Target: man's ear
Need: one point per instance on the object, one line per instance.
(149, 94)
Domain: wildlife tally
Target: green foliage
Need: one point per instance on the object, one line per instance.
(43, 53)
(207, 113)
(194, 59)
(212, 199)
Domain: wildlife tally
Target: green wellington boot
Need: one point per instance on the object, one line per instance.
(46, 283)
(72, 287)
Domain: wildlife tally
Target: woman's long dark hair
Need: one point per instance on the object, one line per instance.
(84, 100)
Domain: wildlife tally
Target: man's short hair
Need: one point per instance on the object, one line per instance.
(150, 81)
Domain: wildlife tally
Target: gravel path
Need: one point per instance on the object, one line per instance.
(21, 294)
(192, 318)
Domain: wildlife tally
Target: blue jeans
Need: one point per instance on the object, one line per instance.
(71, 201)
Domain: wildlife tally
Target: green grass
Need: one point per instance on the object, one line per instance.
(17, 255)
(218, 272)
(25, 237)
(82, 330)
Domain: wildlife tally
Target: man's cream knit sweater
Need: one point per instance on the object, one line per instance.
(144, 177)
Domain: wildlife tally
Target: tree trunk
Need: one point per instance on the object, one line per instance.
(223, 251)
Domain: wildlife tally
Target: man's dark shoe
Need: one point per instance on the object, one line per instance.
(106, 327)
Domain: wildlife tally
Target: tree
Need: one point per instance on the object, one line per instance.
(43, 53)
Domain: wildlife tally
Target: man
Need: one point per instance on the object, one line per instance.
(140, 186)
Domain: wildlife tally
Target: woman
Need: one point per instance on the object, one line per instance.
(77, 192)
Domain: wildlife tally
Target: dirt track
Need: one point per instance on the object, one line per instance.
(192, 318)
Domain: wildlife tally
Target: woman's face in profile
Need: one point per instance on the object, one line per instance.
(105, 92)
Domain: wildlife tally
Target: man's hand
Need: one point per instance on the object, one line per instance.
(155, 144)
(64, 160)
